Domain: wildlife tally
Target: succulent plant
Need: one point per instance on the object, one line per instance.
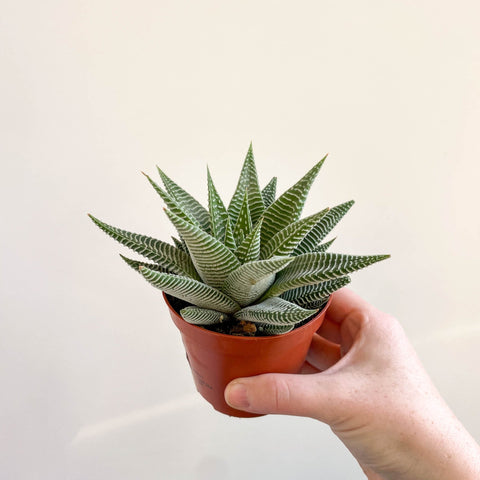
(254, 267)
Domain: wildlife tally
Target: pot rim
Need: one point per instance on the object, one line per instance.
(244, 338)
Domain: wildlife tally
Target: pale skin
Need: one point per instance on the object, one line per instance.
(363, 378)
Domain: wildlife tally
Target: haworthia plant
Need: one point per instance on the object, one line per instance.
(254, 262)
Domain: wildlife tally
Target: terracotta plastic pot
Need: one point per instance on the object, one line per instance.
(216, 359)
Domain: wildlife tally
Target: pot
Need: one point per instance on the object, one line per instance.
(216, 358)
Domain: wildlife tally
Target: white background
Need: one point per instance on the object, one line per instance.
(94, 381)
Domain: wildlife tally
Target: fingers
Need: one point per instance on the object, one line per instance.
(344, 301)
(304, 395)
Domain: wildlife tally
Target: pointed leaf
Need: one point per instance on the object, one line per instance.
(190, 290)
(274, 311)
(164, 254)
(249, 249)
(288, 207)
(323, 247)
(135, 264)
(244, 222)
(269, 192)
(202, 316)
(287, 239)
(311, 268)
(180, 244)
(189, 204)
(248, 181)
(229, 238)
(218, 212)
(249, 281)
(310, 293)
(171, 203)
(213, 260)
(323, 228)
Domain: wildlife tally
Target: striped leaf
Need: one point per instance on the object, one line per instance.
(323, 228)
(189, 204)
(288, 207)
(269, 192)
(135, 264)
(244, 221)
(202, 316)
(162, 253)
(229, 238)
(323, 247)
(248, 181)
(274, 311)
(309, 293)
(180, 244)
(218, 212)
(190, 290)
(171, 203)
(266, 329)
(213, 260)
(249, 249)
(311, 268)
(287, 239)
(248, 282)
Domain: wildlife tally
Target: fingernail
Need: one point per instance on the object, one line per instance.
(236, 395)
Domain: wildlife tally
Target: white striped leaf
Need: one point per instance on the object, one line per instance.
(218, 212)
(180, 244)
(319, 291)
(249, 249)
(213, 260)
(171, 203)
(244, 221)
(229, 238)
(135, 264)
(311, 268)
(191, 291)
(269, 192)
(274, 311)
(318, 304)
(266, 329)
(248, 181)
(202, 316)
(288, 207)
(189, 204)
(166, 255)
(323, 228)
(323, 247)
(248, 282)
(287, 239)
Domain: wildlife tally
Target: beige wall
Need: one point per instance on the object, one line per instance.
(94, 380)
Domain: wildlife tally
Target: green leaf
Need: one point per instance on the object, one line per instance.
(229, 238)
(266, 329)
(309, 293)
(189, 204)
(213, 260)
(248, 282)
(191, 291)
(218, 212)
(285, 241)
(202, 316)
(288, 207)
(269, 192)
(249, 249)
(135, 264)
(171, 203)
(311, 268)
(274, 311)
(180, 244)
(323, 247)
(166, 255)
(248, 181)
(244, 221)
(323, 228)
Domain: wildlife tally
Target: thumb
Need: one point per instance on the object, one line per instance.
(288, 394)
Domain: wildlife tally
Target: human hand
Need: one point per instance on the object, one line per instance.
(363, 378)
